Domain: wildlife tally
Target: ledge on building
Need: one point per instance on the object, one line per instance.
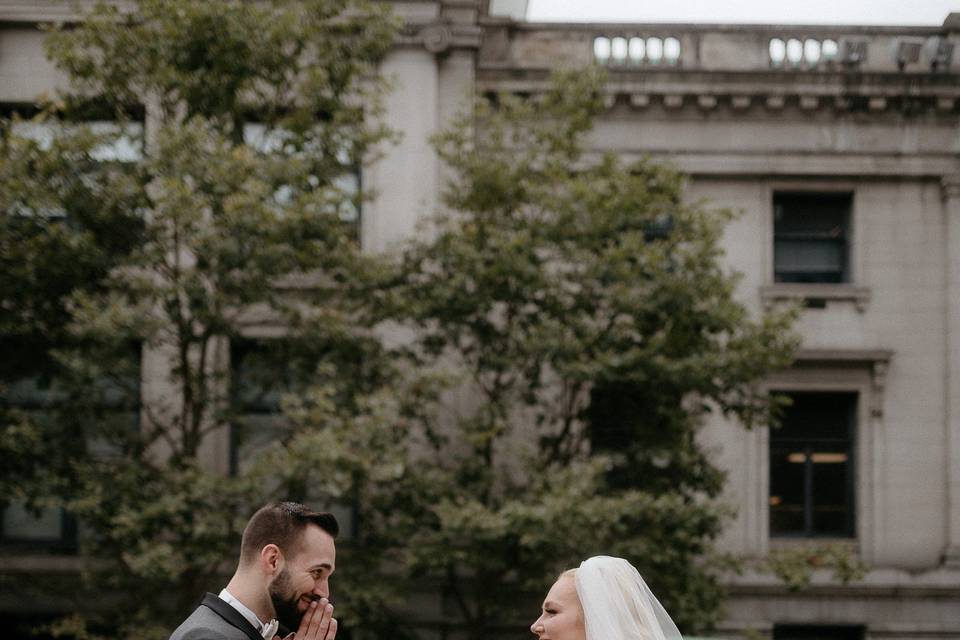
(785, 543)
(816, 296)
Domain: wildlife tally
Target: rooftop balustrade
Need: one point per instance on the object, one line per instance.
(746, 48)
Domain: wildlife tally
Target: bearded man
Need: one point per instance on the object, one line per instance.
(282, 581)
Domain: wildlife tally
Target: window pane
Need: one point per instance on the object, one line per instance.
(262, 372)
(126, 146)
(811, 467)
(817, 416)
(786, 491)
(831, 508)
(33, 389)
(811, 237)
(252, 433)
(809, 260)
(20, 524)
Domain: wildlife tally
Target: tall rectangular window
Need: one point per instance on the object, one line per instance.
(256, 392)
(262, 372)
(812, 466)
(811, 235)
(30, 390)
(31, 396)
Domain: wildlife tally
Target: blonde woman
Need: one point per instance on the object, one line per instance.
(604, 599)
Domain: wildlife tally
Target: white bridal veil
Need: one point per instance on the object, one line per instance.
(618, 605)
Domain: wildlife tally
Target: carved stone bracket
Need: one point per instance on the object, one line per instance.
(879, 380)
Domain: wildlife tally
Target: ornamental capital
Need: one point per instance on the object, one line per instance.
(437, 37)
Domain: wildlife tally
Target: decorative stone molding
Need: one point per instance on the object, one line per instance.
(877, 361)
(810, 294)
(879, 386)
(676, 90)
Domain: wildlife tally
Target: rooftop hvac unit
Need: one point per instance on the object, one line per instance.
(854, 51)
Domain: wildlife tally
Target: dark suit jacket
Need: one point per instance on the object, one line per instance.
(214, 619)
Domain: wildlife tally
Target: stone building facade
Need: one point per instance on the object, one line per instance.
(840, 146)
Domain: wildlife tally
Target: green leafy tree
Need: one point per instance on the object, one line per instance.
(234, 211)
(580, 313)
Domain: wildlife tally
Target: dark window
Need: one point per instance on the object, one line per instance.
(262, 373)
(31, 397)
(811, 237)
(31, 390)
(817, 632)
(256, 389)
(812, 467)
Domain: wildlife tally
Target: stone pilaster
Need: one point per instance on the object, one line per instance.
(951, 207)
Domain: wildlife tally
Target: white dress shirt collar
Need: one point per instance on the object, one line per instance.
(250, 616)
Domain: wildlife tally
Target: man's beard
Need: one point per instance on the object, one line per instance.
(285, 601)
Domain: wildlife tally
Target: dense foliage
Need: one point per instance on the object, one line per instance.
(230, 212)
(521, 388)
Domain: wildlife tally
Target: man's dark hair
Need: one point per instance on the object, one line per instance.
(282, 524)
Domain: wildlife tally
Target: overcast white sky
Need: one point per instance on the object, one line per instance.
(866, 12)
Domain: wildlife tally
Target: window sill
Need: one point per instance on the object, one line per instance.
(816, 296)
(782, 543)
(30, 562)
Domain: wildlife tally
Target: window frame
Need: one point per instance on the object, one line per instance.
(848, 272)
(348, 513)
(863, 371)
(264, 138)
(809, 503)
(69, 540)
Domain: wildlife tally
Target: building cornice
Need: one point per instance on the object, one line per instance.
(771, 91)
